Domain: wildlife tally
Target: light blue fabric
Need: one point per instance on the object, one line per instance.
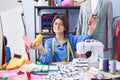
(60, 53)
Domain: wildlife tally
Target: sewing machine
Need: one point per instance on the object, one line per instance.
(92, 48)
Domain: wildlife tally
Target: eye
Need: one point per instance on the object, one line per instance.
(61, 24)
(55, 23)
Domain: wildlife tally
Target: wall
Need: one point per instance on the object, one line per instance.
(8, 4)
(12, 19)
(28, 9)
(9, 15)
(1, 42)
(116, 7)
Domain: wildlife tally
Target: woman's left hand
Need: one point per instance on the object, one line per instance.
(92, 25)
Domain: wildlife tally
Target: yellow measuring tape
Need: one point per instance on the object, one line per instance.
(69, 50)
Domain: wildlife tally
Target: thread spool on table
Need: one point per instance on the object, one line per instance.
(105, 64)
(112, 67)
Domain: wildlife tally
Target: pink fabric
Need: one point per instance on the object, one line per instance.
(24, 77)
(9, 72)
(27, 41)
(27, 45)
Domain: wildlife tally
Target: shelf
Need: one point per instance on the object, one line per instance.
(36, 0)
(44, 33)
(49, 33)
(20, 1)
(57, 7)
(46, 27)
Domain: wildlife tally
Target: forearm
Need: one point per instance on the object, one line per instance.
(46, 59)
(90, 32)
(42, 50)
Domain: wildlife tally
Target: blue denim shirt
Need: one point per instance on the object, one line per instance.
(60, 53)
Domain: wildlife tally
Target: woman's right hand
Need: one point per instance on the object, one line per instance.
(38, 46)
(35, 45)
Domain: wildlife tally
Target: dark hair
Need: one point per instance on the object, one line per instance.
(64, 19)
(5, 40)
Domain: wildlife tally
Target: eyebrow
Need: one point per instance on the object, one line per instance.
(60, 22)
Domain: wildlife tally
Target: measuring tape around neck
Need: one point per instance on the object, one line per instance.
(69, 50)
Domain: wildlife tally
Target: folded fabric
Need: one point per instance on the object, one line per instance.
(24, 77)
(15, 63)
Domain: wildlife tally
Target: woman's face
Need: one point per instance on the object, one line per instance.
(58, 26)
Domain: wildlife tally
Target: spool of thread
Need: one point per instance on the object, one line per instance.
(49, 2)
(56, 2)
(101, 63)
(105, 64)
(112, 67)
(38, 38)
(71, 2)
(52, 2)
(59, 2)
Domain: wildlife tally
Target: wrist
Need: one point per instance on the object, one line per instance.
(90, 32)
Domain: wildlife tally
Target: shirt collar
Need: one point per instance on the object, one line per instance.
(56, 43)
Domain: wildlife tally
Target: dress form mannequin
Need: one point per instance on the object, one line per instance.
(105, 17)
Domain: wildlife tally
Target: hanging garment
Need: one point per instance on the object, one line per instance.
(118, 37)
(115, 39)
(104, 13)
(114, 25)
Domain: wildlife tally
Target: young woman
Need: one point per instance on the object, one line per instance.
(63, 46)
